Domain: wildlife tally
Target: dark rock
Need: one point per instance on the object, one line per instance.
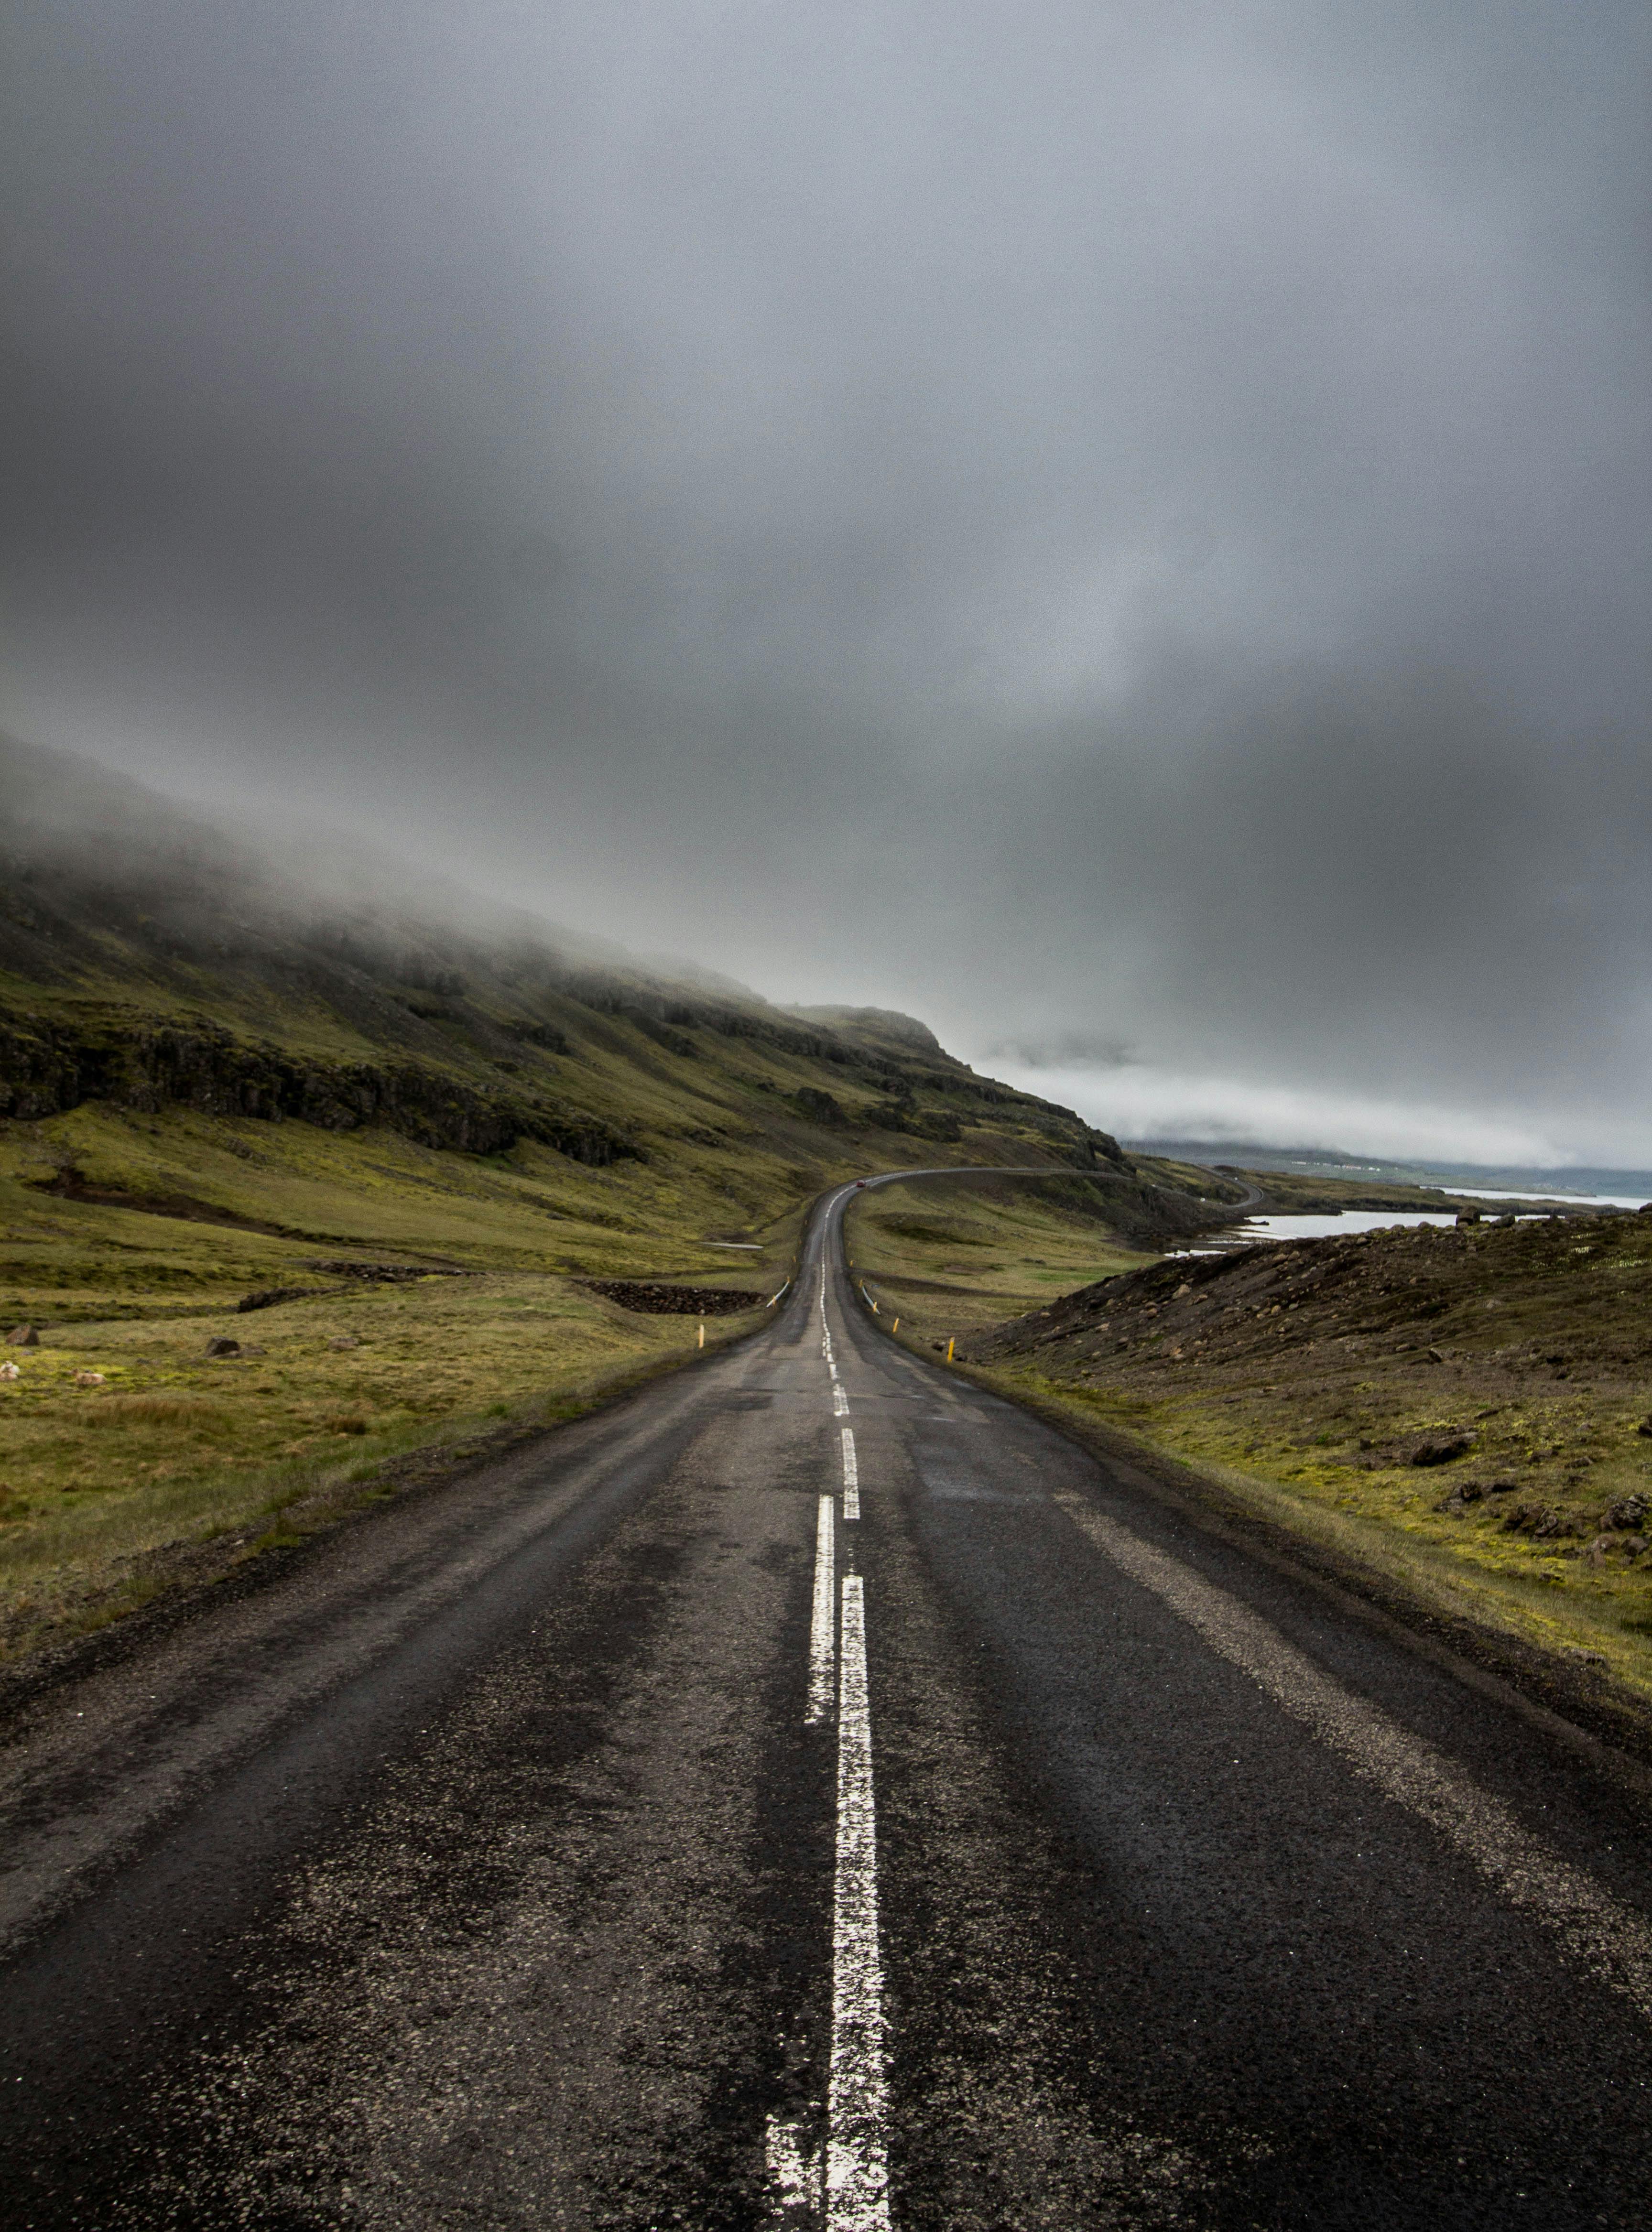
(377, 1275)
(220, 1345)
(1440, 1449)
(22, 1336)
(1501, 1487)
(265, 1298)
(537, 1034)
(653, 1299)
(1629, 1511)
(819, 1107)
(48, 1066)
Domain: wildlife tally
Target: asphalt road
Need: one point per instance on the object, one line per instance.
(632, 1834)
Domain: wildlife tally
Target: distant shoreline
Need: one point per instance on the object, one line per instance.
(1580, 1182)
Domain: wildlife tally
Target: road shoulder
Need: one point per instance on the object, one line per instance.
(1572, 1700)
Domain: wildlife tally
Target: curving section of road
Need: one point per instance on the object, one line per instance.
(811, 1793)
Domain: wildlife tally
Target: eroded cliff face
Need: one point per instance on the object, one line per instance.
(49, 1066)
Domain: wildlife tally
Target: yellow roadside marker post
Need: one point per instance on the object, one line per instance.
(701, 1342)
(896, 1327)
(949, 1348)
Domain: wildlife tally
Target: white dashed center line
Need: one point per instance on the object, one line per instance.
(851, 1477)
(822, 1641)
(857, 2181)
(840, 1400)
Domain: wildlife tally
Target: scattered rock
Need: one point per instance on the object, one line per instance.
(1436, 1356)
(345, 1340)
(265, 1298)
(1440, 1449)
(221, 1345)
(24, 1336)
(89, 1379)
(1645, 1426)
(1629, 1511)
(1501, 1487)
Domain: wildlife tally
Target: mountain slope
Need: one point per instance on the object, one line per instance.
(147, 962)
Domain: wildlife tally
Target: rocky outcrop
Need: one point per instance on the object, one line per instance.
(819, 1107)
(48, 1065)
(653, 1299)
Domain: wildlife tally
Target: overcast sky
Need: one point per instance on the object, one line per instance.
(1121, 528)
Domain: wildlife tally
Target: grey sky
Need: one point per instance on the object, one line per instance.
(1121, 528)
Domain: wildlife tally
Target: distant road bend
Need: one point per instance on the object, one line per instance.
(811, 1793)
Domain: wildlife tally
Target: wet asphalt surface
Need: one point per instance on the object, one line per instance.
(475, 1869)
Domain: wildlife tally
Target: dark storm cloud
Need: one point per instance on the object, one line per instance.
(1119, 528)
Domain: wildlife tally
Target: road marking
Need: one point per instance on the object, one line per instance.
(1612, 1942)
(832, 1368)
(840, 1400)
(857, 2179)
(795, 2173)
(822, 1654)
(851, 1477)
